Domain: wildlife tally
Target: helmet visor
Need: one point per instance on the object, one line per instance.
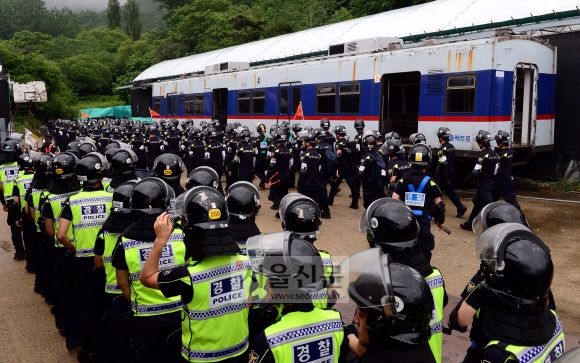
(363, 223)
(290, 199)
(488, 243)
(209, 170)
(272, 244)
(248, 186)
(365, 277)
(480, 221)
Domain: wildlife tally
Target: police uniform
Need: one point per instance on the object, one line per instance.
(445, 175)
(485, 169)
(21, 186)
(320, 298)
(309, 179)
(278, 174)
(504, 186)
(373, 180)
(261, 146)
(154, 146)
(397, 168)
(326, 171)
(215, 156)
(173, 141)
(231, 149)
(8, 173)
(243, 162)
(138, 145)
(196, 153)
(345, 169)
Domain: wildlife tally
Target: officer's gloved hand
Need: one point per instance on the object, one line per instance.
(351, 329)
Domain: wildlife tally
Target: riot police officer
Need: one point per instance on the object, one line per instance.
(391, 225)
(243, 201)
(11, 150)
(372, 170)
(156, 316)
(309, 179)
(173, 140)
(86, 147)
(154, 146)
(394, 309)
(397, 166)
(278, 171)
(423, 196)
(446, 169)
(204, 176)
(84, 213)
(328, 137)
(242, 165)
(123, 165)
(283, 257)
(504, 185)
(169, 167)
(196, 150)
(222, 336)
(215, 155)
(261, 147)
(137, 143)
(231, 144)
(347, 161)
(484, 172)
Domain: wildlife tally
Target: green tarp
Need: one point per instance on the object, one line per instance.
(113, 112)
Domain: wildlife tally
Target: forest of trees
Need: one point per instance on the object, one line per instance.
(83, 56)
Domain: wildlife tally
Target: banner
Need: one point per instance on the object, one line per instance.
(153, 113)
(29, 137)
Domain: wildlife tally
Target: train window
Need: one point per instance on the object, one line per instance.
(326, 99)
(198, 104)
(243, 102)
(349, 98)
(157, 105)
(283, 101)
(258, 101)
(188, 106)
(460, 96)
(295, 98)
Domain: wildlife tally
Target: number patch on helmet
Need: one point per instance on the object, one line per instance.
(415, 199)
(167, 172)
(214, 214)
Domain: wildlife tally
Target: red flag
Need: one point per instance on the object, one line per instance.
(153, 113)
(299, 112)
(85, 115)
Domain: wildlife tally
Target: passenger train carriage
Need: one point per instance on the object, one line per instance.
(501, 82)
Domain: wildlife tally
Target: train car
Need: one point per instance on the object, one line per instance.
(500, 82)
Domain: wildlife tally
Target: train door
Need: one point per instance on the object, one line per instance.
(172, 104)
(525, 103)
(220, 106)
(289, 96)
(400, 103)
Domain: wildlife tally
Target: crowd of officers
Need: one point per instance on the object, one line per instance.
(138, 268)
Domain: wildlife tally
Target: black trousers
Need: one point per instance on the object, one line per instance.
(43, 280)
(16, 234)
(323, 194)
(371, 193)
(141, 161)
(279, 190)
(260, 167)
(426, 239)
(152, 334)
(449, 190)
(28, 232)
(311, 191)
(482, 198)
(505, 189)
(231, 179)
(108, 330)
(83, 307)
(59, 283)
(347, 174)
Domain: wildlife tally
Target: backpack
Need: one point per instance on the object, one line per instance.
(327, 165)
(350, 154)
(380, 171)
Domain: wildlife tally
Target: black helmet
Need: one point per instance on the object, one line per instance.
(389, 223)
(11, 150)
(359, 124)
(211, 133)
(300, 214)
(443, 133)
(196, 132)
(420, 154)
(42, 163)
(215, 123)
(122, 197)
(369, 140)
(296, 128)
(64, 165)
(243, 200)
(325, 123)
(502, 137)
(237, 124)
(340, 130)
(113, 145)
(110, 153)
(230, 128)
(73, 147)
(244, 134)
(283, 257)
(85, 148)
(92, 168)
(516, 266)
(151, 196)
(397, 298)
(280, 136)
(307, 136)
(418, 138)
(393, 146)
(483, 137)
(123, 162)
(392, 135)
(260, 128)
(497, 213)
(168, 167)
(202, 207)
(273, 130)
(203, 176)
(26, 160)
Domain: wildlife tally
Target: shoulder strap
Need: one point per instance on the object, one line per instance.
(423, 184)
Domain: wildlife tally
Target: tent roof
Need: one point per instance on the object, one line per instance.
(116, 112)
(441, 17)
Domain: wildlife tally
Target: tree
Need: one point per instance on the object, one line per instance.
(86, 75)
(114, 14)
(133, 23)
(370, 7)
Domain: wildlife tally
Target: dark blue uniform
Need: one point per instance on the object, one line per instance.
(504, 186)
(278, 174)
(485, 169)
(446, 173)
(261, 146)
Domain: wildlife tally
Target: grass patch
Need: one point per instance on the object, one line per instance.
(537, 185)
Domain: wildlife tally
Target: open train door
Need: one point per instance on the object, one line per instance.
(289, 96)
(220, 106)
(525, 106)
(401, 94)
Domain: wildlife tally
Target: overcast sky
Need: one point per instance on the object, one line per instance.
(77, 5)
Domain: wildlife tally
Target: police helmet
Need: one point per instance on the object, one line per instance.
(113, 145)
(325, 123)
(307, 136)
(168, 167)
(123, 162)
(64, 165)
(237, 124)
(443, 133)
(283, 257)
(260, 128)
(41, 163)
(230, 129)
(110, 153)
(211, 133)
(396, 297)
(122, 197)
(483, 137)
(196, 132)
(497, 213)
(300, 214)
(296, 128)
(151, 196)
(215, 123)
(502, 137)
(393, 146)
(319, 133)
(273, 130)
(73, 147)
(244, 134)
(85, 148)
(516, 266)
(369, 140)
(202, 207)
(418, 138)
(392, 135)
(92, 168)
(389, 223)
(359, 124)
(26, 160)
(340, 130)
(420, 154)
(280, 136)
(243, 200)
(203, 176)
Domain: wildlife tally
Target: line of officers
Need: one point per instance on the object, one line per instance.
(142, 270)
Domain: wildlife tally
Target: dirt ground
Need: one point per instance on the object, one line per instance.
(27, 327)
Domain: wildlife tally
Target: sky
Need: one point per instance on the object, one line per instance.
(77, 5)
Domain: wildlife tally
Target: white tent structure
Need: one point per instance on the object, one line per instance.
(440, 18)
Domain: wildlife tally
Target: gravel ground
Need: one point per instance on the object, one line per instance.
(29, 335)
